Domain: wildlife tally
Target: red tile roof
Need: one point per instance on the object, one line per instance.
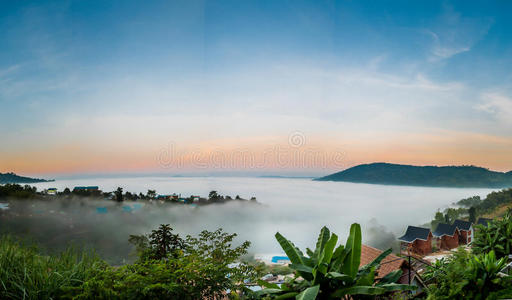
(389, 263)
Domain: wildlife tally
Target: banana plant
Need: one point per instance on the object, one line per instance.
(332, 272)
(497, 236)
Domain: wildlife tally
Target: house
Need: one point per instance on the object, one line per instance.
(86, 188)
(195, 199)
(51, 191)
(447, 236)
(483, 221)
(390, 264)
(466, 231)
(416, 240)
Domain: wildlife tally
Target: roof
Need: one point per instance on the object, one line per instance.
(483, 221)
(462, 225)
(389, 264)
(444, 229)
(413, 233)
(86, 188)
(276, 259)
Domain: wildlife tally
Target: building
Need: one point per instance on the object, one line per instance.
(483, 221)
(86, 188)
(51, 191)
(391, 263)
(416, 240)
(281, 260)
(447, 236)
(466, 231)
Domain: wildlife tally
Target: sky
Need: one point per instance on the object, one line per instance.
(259, 87)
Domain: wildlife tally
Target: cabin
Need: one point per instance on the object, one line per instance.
(447, 236)
(86, 188)
(466, 231)
(416, 240)
(390, 264)
(51, 191)
(483, 221)
(87, 191)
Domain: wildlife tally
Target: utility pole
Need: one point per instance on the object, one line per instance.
(409, 269)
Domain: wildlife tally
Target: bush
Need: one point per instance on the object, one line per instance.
(497, 237)
(467, 276)
(203, 266)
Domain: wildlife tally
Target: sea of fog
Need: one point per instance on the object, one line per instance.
(297, 208)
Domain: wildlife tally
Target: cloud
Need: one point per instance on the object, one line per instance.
(443, 50)
(453, 34)
(498, 106)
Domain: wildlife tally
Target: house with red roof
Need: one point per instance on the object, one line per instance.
(390, 264)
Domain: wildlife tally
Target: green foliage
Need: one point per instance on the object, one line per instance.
(17, 191)
(497, 237)
(26, 274)
(471, 201)
(119, 194)
(159, 244)
(466, 276)
(495, 199)
(332, 272)
(206, 265)
(472, 214)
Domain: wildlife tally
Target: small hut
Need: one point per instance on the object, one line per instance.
(447, 236)
(417, 240)
(466, 231)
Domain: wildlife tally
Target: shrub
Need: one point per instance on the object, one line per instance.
(497, 237)
(467, 276)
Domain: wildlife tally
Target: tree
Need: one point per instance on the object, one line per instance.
(213, 195)
(438, 218)
(333, 273)
(472, 214)
(161, 243)
(164, 242)
(66, 191)
(204, 268)
(151, 194)
(119, 194)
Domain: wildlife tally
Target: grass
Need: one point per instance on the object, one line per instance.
(25, 273)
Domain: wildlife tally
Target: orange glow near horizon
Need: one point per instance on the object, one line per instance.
(320, 155)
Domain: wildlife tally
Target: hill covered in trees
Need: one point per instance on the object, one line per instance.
(447, 176)
(13, 178)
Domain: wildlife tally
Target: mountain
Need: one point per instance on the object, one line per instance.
(447, 176)
(13, 178)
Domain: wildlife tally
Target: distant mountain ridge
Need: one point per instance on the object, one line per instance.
(13, 178)
(433, 176)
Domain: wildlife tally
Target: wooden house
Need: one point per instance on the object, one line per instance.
(447, 236)
(466, 231)
(416, 240)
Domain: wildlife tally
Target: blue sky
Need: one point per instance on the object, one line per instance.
(103, 86)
